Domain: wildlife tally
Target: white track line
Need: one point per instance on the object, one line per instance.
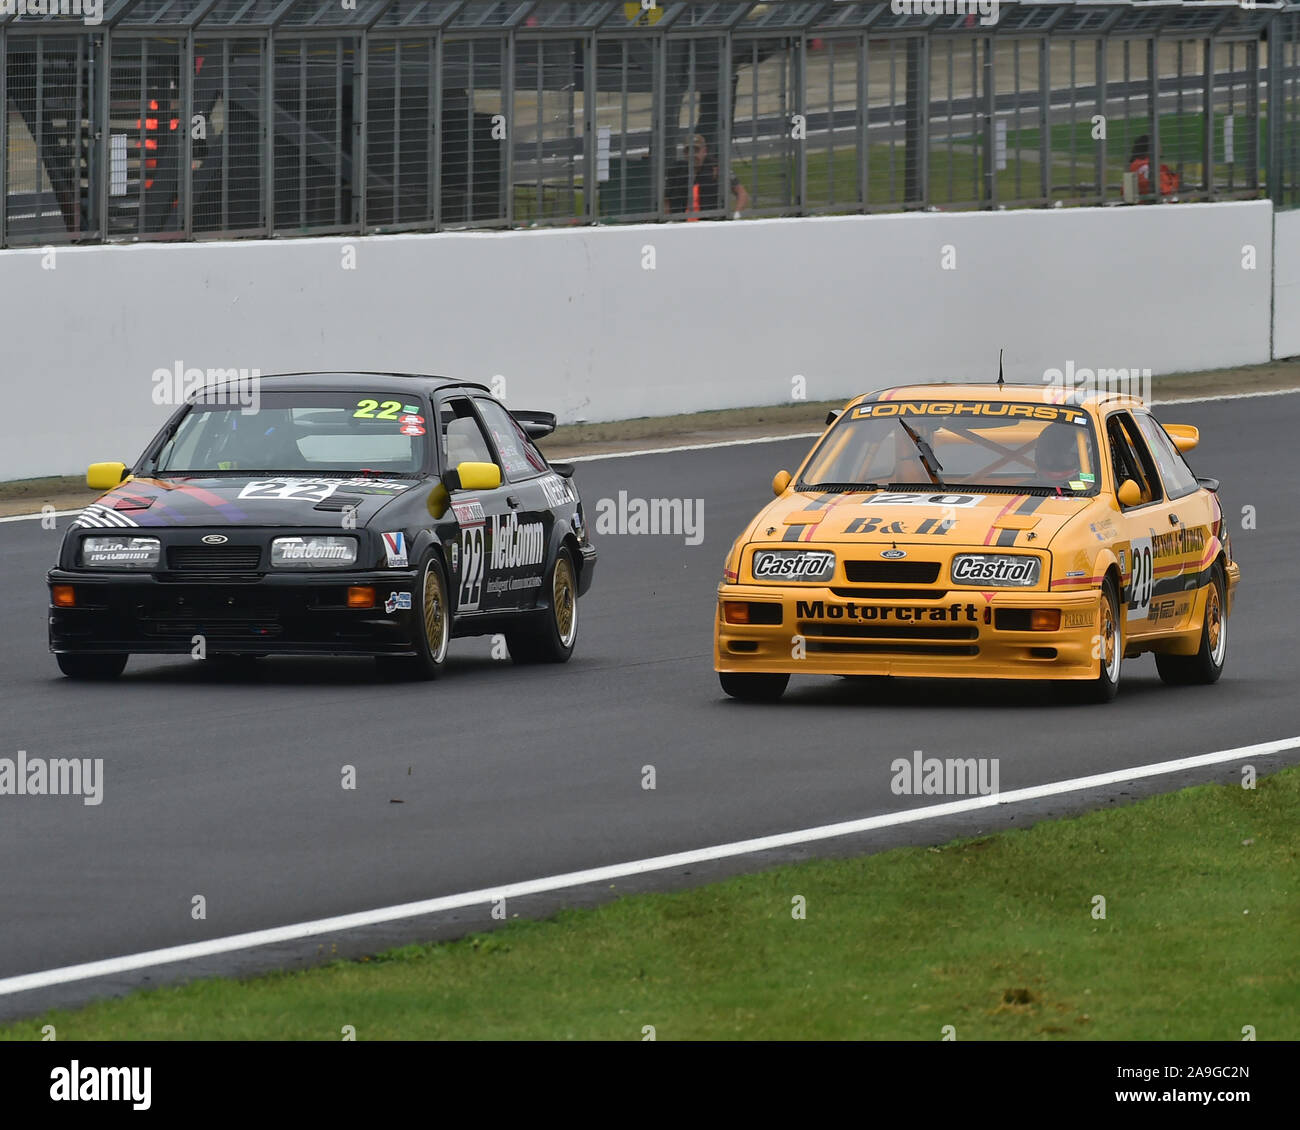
(29, 517)
(689, 447)
(116, 966)
(771, 439)
(814, 435)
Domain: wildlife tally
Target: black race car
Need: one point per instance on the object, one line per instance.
(326, 514)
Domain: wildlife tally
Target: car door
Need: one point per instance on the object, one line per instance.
(526, 529)
(1150, 555)
(479, 513)
(1193, 515)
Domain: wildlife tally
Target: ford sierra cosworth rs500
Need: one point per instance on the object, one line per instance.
(343, 514)
(967, 531)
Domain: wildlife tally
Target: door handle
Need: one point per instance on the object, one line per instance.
(512, 501)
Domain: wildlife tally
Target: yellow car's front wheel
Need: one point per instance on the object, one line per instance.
(753, 688)
(1108, 645)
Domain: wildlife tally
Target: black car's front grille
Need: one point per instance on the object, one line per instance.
(891, 572)
(214, 558)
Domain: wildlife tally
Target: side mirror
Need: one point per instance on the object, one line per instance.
(833, 415)
(1130, 494)
(105, 476)
(780, 481)
(478, 476)
(1185, 436)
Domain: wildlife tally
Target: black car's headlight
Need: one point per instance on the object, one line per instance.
(996, 570)
(117, 552)
(313, 552)
(793, 565)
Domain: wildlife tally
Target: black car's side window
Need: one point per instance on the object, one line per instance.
(519, 458)
(460, 437)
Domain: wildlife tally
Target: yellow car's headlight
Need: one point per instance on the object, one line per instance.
(996, 570)
(793, 565)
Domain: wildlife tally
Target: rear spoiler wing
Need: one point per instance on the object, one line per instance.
(536, 425)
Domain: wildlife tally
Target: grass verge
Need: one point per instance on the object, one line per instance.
(995, 936)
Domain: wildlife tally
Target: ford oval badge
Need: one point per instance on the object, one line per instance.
(893, 554)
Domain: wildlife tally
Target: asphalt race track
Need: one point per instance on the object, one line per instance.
(226, 783)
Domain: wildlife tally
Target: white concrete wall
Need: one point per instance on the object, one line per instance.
(731, 312)
(1286, 285)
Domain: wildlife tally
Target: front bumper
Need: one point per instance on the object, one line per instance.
(586, 567)
(289, 614)
(949, 634)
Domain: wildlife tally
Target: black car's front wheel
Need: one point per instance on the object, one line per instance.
(433, 627)
(551, 636)
(92, 666)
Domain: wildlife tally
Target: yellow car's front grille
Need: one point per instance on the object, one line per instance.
(891, 572)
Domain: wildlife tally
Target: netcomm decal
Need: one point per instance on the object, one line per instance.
(514, 545)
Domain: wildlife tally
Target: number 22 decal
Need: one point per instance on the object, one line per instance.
(471, 578)
(366, 409)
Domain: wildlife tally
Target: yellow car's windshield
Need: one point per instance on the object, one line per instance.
(990, 444)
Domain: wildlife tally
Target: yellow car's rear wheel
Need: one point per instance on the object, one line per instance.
(1207, 664)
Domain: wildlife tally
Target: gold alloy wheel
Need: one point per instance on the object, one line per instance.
(563, 601)
(435, 613)
(1109, 640)
(1215, 628)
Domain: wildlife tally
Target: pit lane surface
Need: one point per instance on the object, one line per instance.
(228, 784)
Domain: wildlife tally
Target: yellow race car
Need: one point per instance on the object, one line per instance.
(982, 531)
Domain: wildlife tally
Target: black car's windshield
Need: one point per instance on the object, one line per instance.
(990, 444)
(314, 432)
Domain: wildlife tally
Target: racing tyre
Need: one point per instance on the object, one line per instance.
(551, 638)
(1207, 664)
(1106, 685)
(433, 635)
(91, 666)
(753, 688)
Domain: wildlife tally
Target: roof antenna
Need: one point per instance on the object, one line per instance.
(999, 368)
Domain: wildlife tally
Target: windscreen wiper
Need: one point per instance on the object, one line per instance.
(837, 488)
(928, 458)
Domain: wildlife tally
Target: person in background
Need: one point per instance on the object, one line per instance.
(1139, 161)
(698, 192)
